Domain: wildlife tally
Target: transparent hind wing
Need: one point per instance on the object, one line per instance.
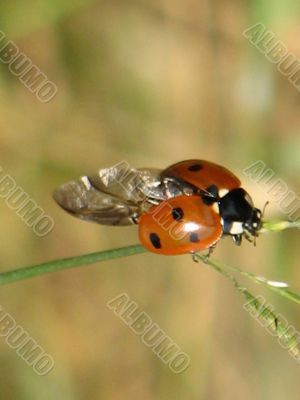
(113, 196)
(88, 203)
(129, 184)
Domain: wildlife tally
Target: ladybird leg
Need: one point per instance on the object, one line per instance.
(194, 256)
(250, 238)
(210, 250)
(237, 239)
(254, 241)
(206, 257)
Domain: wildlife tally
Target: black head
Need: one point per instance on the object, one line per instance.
(239, 215)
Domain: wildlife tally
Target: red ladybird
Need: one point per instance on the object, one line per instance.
(183, 224)
(200, 200)
(217, 184)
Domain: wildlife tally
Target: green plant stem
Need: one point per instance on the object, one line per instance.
(253, 304)
(276, 226)
(283, 291)
(77, 261)
(66, 263)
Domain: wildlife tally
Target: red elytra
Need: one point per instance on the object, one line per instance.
(206, 201)
(202, 174)
(217, 184)
(183, 224)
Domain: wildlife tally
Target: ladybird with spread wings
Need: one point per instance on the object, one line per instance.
(186, 207)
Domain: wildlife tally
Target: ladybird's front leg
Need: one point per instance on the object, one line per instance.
(237, 239)
(250, 238)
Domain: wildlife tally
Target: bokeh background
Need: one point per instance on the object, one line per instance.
(150, 82)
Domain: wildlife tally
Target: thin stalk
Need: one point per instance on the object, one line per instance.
(66, 263)
(77, 261)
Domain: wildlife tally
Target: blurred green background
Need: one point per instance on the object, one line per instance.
(151, 83)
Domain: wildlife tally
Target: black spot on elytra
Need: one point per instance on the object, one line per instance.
(194, 237)
(213, 189)
(155, 240)
(195, 167)
(177, 213)
(212, 196)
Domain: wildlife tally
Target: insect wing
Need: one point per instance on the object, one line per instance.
(128, 184)
(82, 200)
(113, 196)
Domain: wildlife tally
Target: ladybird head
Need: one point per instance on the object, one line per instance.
(254, 223)
(239, 216)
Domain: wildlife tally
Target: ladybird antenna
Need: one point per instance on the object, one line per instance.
(264, 209)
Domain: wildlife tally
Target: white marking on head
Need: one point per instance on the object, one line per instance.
(223, 192)
(236, 228)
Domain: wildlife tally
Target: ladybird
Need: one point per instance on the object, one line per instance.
(183, 224)
(217, 184)
(200, 200)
